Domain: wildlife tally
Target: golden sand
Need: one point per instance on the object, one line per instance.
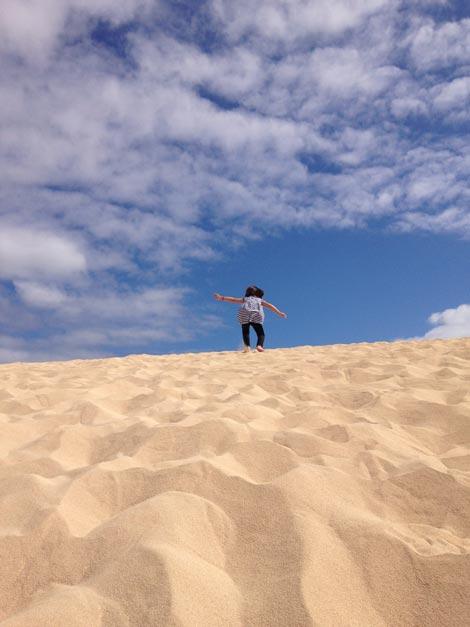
(325, 486)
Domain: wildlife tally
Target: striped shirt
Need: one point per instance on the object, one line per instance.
(251, 310)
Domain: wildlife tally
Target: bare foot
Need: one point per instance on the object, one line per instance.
(260, 349)
(246, 349)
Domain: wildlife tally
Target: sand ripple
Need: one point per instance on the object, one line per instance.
(308, 486)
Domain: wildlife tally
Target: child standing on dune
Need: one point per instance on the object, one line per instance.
(251, 313)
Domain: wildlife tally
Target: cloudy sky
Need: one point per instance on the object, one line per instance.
(155, 151)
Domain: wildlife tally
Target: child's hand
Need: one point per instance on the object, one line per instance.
(218, 296)
(283, 315)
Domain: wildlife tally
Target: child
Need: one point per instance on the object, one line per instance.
(251, 313)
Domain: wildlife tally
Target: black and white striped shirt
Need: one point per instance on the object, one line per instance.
(251, 310)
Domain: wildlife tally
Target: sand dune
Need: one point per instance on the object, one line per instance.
(322, 486)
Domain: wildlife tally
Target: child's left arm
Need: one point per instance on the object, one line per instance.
(228, 299)
(273, 308)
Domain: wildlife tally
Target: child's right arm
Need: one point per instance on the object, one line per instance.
(228, 299)
(273, 308)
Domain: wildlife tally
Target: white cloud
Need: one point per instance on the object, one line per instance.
(451, 220)
(453, 94)
(345, 73)
(26, 253)
(402, 107)
(121, 305)
(234, 72)
(92, 321)
(434, 46)
(39, 295)
(450, 323)
(32, 28)
(288, 20)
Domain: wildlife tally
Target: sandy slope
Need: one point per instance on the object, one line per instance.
(308, 486)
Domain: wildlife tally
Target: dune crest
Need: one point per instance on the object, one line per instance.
(322, 486)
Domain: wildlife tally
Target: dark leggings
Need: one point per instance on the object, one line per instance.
(258, 330)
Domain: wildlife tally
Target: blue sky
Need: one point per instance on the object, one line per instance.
(348, 286)
(154, 152)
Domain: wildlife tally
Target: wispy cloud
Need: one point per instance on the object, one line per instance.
(138, 136)
(285, 21)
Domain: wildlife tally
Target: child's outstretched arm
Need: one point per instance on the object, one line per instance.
(228, 299)
(273, 308)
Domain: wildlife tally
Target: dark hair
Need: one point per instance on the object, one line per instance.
(253, 290)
